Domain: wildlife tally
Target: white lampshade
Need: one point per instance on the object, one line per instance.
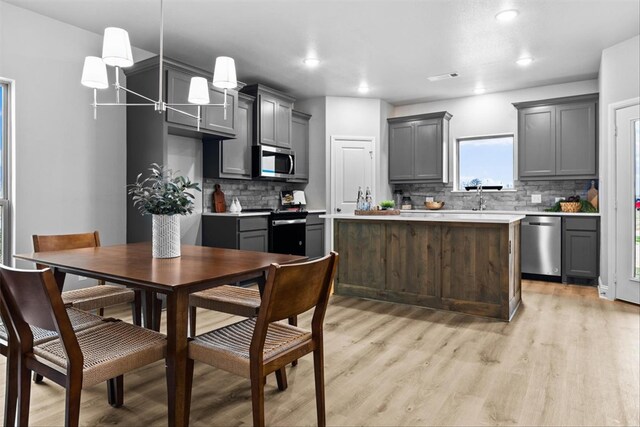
(94, 73)
(224, 73)
(116, 49)
(199, 91)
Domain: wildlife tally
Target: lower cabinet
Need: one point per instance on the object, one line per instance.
(244, 233)
(315, 236)
(580, 248)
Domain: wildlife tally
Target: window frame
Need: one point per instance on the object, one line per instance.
(456, 161)
(7, 144)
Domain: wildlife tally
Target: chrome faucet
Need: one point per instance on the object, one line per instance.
(481, 202)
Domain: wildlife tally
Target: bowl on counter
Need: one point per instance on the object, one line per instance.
(434, 206)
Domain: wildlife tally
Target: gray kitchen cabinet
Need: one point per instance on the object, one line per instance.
(300, 145)
(149, 134)
(231, 158)
(418, 148)
(249, 233)
(272, 113)
(557, 138)
(580, 243)
(315, 236)
(212, 119)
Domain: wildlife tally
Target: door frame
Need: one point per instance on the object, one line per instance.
(607, 287)
(332, 186)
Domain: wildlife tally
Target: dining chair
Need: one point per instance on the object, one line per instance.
(258, 346)
(74, 360)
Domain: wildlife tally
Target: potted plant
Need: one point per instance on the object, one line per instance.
(387, 204)
(164, 196)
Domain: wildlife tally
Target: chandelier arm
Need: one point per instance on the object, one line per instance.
(137, 94)
(115, 104)
(168, 107)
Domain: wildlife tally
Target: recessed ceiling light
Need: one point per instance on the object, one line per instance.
(363, 88)
(506, 15)
(479, 90)
(311, 62)
(524, 61)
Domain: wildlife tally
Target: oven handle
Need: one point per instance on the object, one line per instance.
(291, 167)
(279, 222)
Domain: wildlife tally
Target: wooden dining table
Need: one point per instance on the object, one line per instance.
(198, 268)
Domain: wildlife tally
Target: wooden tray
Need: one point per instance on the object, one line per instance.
(379, 212)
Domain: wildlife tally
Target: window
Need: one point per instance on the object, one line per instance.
(4, 170)
(486, 160)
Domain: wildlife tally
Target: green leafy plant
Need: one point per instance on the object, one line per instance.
(585, 206)
(387, 204)
(163, 193)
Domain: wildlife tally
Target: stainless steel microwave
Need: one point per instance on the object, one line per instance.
(273, 162)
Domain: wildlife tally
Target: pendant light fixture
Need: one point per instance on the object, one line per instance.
(116, 52)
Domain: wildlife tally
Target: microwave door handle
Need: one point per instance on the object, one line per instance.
(291, 162)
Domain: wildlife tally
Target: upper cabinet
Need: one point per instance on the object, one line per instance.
(418, 148)
(300, 145)
(272, 113)
(231, 158)
(212, 119)
(557, 138)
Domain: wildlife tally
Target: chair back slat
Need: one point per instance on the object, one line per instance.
(32, 297)
(60, 242)
(294, 289)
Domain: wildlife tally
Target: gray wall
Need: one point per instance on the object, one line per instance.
(618, 81)
(69, 169)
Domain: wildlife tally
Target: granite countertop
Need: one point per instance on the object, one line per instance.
(436, 217)
(498, 212)
(243, 214)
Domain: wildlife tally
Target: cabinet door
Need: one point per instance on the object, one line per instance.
(315, 241)
(428, 150)
(536, 142)
(580, 254)
(576, 139)
(178, 93)
(214, 118)
(283, 124)
(401, 149)
(268, 112)
(257, 241)
(300, 145)
(235, 156)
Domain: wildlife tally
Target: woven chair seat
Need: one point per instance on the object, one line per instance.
(79, 320)
(109, 349)
(99, 296)
(228, 299)
(228, 347)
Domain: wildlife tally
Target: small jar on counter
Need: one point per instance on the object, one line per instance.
(406, 203)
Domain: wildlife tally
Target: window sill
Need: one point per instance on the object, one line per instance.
(510, 190)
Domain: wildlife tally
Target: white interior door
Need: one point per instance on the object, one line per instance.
(628, 204)
(352, 166)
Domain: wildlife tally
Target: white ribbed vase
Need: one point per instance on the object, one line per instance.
(166, 236)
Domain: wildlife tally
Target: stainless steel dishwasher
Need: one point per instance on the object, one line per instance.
(541, 238)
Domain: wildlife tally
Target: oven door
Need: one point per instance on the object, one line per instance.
(274, 162)
(288, 236)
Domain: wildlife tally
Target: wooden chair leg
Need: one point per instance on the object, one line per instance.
(257, 400)
(37, 378)
(281, 378)
(11, 390)
(136, 307)
(101, 312)
(72, 413)
(157, 312)
(24, 395)
(192, 321)
(318, 370)
(188, 387)
(293, 321)
(115, 391)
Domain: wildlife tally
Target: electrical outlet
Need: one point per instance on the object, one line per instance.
(428, 199)
(536, 198)
(557, 199)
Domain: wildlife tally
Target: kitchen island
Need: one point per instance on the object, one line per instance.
(468, 263)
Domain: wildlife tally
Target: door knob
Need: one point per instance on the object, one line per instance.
(339, 210)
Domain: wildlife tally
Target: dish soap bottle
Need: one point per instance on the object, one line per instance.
(368, 201)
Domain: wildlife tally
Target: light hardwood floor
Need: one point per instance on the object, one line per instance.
(567, 358)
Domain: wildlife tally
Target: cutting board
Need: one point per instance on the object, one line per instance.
(592, 195)
(219, 204)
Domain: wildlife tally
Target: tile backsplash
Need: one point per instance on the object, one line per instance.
(520, 199)
(250, 194)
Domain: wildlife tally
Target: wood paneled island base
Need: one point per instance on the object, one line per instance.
(469, 267)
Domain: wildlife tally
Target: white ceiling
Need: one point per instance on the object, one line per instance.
(392, 45)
